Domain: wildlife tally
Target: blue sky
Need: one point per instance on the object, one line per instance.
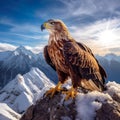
(93, 22)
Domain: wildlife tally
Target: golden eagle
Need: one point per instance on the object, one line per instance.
(71, 59)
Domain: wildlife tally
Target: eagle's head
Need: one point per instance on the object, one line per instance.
(54, 26)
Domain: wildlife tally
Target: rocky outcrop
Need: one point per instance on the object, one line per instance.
(51, 109)
(103, 105)
(110, 110)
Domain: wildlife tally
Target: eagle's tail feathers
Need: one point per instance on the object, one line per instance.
(90, 85)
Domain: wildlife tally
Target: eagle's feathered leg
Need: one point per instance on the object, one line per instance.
(72, 92)
(52, 91)
(62, 78)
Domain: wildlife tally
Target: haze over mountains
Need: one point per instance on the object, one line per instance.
(111, 64)
(21, 60)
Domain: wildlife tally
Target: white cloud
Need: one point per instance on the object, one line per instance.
(36, 49)
(6, 47)
(102, 36)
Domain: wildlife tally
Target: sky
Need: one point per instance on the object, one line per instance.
(95, 23)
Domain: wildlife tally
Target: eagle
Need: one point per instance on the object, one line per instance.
(71, 59)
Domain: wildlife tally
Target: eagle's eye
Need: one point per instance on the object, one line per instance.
(52, 23)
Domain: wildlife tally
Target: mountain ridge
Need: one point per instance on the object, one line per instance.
(21, 61)
(21, 92)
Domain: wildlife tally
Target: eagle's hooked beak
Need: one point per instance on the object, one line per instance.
(45, 25)
(42, 27)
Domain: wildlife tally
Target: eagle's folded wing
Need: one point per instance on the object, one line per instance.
(102, 71)
(82, 61)
(47, 58)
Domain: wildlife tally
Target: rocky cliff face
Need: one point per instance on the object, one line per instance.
(86, 106)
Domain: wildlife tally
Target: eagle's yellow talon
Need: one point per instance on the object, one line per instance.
(52, 91)
(70, 93)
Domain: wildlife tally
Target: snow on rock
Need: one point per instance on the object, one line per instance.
(113, 88)
(6, 113)
(21, 92)
(88, 104)
(91, 102)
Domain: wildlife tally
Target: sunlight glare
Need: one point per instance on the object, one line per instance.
(107, 37)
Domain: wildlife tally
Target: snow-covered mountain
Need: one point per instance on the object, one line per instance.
(21, 61)
(110, 57)
(6, 113)
(21, 92)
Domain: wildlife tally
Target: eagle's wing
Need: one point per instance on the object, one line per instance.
(102, 71)
(82, 61)
(47, 58)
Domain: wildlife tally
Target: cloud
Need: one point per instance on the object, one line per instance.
(115, 50)
(74, 10)
(101, 35)
(37, 49)
(89, 7)
(20, 28)
(7, 47)
(23, 34)
(36, 37)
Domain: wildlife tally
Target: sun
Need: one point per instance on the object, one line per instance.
(107, 37)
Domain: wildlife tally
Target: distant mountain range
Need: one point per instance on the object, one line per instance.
(21, 60)
(111, 64)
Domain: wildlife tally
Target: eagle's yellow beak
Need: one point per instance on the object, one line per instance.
(46, 25)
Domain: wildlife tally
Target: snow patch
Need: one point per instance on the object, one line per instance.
(16, 53)
(87, 104)
(113, 88)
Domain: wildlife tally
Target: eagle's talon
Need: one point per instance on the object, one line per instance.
(52, 91)
(70, 93)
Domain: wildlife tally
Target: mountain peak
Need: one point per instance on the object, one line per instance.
(112, 56)
(22, 50)
(21, 47)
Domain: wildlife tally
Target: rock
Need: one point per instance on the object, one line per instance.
(110, 110)
(51, 109)
(57, 108)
